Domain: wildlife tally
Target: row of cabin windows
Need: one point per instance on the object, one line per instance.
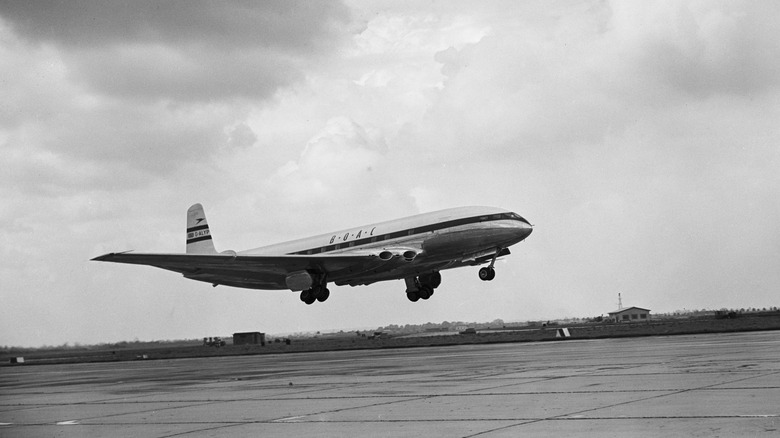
(409, 232)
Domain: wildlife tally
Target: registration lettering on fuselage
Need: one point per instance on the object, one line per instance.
(352, 236)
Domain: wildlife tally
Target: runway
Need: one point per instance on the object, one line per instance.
(704, 385)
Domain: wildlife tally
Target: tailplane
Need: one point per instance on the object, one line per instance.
(198, 234)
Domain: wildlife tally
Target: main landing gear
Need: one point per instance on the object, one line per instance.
(422, 286)
(317, 293)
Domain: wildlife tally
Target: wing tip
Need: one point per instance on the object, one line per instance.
(108, 257)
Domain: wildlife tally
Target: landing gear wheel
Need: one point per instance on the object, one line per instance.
(425, 292)
(305, 295)
(487, 274)
(310, 300)
(323, 295)
(413, 296)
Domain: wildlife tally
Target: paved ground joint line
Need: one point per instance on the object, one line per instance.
(671, 393)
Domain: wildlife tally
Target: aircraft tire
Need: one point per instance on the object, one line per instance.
(305, 294)
(487, 274)
(323, 295)
(412, 296)
(425, 292)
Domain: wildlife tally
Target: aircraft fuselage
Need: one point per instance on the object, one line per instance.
(439, 240)
(414, 249)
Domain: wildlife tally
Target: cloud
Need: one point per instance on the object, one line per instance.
(291, 25)
(181, 51)
(581, 80)
(342, 168)
(116, 96)
(701, 48)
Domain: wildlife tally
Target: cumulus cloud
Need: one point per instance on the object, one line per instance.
(180, 50)
(701, 48)
(580, 81)
(290, 25)
(119, 95)
(343, 167)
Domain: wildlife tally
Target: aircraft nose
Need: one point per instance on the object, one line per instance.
(523, 229)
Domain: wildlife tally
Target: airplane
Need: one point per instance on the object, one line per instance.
(415, 249)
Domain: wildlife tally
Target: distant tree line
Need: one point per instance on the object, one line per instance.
(499, 323)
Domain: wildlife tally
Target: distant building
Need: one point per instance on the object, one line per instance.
(630, 314)
(248, 338)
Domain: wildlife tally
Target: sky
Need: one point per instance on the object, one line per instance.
(640, 138)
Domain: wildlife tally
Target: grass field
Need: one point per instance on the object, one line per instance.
(164, 350)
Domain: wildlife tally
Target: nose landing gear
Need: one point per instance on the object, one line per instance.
(488, 273)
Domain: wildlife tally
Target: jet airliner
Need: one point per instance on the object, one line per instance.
(415, 249)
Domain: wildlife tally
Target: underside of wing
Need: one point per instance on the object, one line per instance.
(253, 272)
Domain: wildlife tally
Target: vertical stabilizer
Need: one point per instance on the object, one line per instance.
(198, 234)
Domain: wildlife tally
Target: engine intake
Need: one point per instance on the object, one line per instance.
(386, 255)
(407, 254)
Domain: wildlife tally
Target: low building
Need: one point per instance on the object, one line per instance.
(630, 314)
(248, 338)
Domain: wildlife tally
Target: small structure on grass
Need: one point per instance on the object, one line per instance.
(247, 338)
(630, 314)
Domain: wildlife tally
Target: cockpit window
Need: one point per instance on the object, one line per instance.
(520, 218)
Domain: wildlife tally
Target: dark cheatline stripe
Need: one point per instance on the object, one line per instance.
(198, 228)
(198, 239)
(418, 230)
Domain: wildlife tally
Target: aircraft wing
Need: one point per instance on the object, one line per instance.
(249, 271)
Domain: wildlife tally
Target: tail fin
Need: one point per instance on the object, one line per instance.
(198, 234)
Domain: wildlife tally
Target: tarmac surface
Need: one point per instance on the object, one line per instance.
(702, 385)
